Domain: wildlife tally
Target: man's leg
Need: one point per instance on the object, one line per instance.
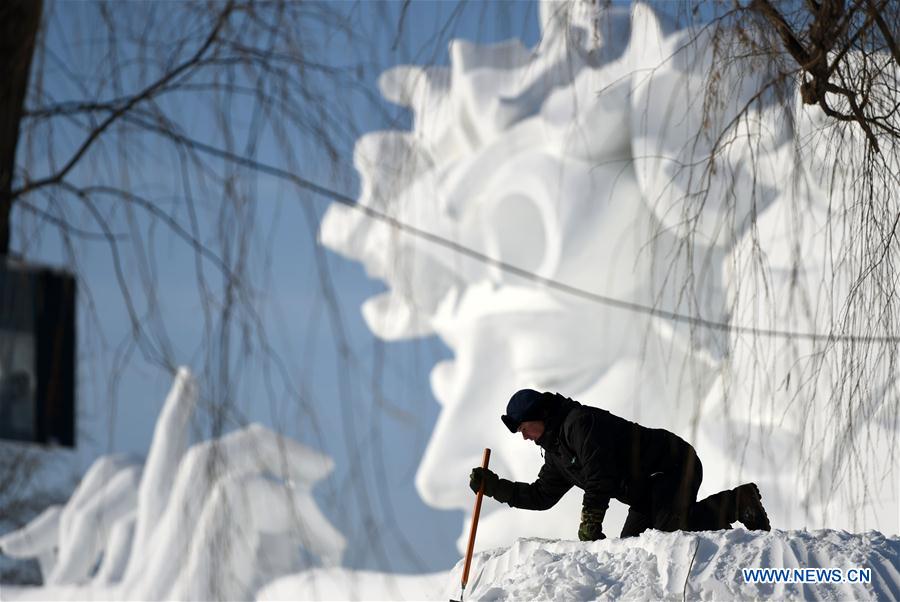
(635, 523)
(714, 512)
(711, 513)
(674, 494)
(672, 502)
(720, 510)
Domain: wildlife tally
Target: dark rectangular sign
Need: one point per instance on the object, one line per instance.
(37, 354)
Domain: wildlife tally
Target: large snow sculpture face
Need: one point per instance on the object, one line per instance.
(504, 159)
(583, 162)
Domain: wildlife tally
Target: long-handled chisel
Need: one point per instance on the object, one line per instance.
(475, 514)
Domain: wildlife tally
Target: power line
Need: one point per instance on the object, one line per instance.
(508, 267)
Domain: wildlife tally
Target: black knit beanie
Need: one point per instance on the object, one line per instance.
(525, 405)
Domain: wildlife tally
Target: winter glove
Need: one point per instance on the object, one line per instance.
(495, 487)
(591, 528)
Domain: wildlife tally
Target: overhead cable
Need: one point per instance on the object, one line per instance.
(509, 268)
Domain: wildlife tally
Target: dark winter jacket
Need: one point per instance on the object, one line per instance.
(606, 456)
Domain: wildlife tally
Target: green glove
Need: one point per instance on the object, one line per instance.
(591, 528)
(495, 487)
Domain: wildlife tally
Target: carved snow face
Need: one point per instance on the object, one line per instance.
(573, 163)
(504, 159)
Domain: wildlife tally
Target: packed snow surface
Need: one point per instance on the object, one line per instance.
(668, 566)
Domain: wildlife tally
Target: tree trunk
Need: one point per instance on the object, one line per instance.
(19, 21)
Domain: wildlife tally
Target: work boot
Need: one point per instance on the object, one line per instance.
(750, 510)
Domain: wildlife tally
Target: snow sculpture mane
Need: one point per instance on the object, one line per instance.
(578, 161)
(212, 521)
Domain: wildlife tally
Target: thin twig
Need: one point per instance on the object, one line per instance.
(690, 566)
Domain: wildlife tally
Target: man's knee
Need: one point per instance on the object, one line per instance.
(635, 524)
(670, 519)
(632, 530)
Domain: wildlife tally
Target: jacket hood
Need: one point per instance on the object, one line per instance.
(558, 407)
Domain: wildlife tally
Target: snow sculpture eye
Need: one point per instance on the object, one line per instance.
(514, 232)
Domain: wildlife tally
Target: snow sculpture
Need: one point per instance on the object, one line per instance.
(69, 540)
(36, 540)
(104, 500)
(575, 161)
(195, 522)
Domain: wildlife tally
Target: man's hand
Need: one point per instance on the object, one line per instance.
(490, 480)
(591, 528)
(495, 487)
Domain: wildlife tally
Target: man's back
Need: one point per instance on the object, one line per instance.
(597, 450)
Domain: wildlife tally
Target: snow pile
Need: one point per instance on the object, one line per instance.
(215, 520)
(669, 566)
(584, 161)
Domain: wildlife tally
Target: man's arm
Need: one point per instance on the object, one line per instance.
(591, 527)
(592, 446)
(549, 487)
(543, 494)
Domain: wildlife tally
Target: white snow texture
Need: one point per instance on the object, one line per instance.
(677, 566)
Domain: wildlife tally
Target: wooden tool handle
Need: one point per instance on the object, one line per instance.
(478, 496)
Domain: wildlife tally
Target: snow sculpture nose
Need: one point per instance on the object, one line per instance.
(469, 421)
(443, 475)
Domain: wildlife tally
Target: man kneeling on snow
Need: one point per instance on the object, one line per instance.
(654, 472)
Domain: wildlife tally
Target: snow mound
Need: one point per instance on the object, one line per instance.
(667, 566)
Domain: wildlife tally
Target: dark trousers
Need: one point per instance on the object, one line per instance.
(667, 501)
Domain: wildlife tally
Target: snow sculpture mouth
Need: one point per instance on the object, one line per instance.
(578, 161)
